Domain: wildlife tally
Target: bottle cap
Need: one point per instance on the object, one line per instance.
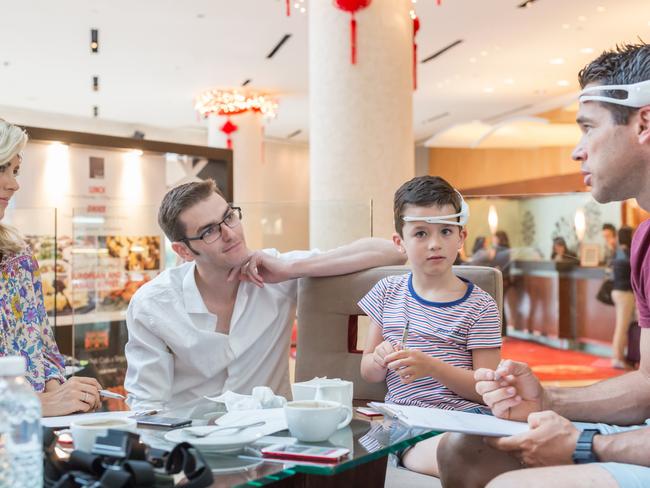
(12, 366)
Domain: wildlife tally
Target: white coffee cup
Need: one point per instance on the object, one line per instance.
(316, 420)
(85, 432)
(328, 389)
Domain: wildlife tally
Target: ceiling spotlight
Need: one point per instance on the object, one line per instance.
(563, 83)
(488, 89)
(94, 40)
(582, 18)
(587, 50)
(556, 61)
(509, 81)
(95, 83)
(566, 26)
(472, 60)
(600, 9)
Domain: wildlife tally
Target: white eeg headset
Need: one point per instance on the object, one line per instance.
(638, 94)
(462, 216)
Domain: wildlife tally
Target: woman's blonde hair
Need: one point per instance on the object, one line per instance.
(12, 142)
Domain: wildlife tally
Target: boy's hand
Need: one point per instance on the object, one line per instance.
(380, 353)
(411, 364)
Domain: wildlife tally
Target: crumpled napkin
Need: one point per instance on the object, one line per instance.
(262, 397)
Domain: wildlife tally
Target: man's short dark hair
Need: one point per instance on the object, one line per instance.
(424, 191)
(623, 65)
(609, 227)
(179, 199)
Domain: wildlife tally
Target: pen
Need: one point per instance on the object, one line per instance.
(405, 334)
(145, 413)
(110, 394)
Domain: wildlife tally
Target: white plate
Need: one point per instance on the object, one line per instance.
(224, 441)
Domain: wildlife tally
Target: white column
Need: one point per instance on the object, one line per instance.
(361, 128)
(247, 168)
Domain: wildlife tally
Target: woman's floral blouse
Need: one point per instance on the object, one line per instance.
(25, 329)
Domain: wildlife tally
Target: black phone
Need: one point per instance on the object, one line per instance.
(160, 421)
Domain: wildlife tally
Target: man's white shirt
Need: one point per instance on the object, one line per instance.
(175, 356)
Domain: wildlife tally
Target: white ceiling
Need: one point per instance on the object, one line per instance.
(157, 55)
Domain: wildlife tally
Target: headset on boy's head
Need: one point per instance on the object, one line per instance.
(462, 216)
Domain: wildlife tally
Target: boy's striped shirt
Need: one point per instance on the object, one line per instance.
(448, 331)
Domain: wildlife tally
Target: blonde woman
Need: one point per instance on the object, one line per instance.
(25, 330)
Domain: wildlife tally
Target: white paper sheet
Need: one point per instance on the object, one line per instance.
(452, 421)
(65, 420)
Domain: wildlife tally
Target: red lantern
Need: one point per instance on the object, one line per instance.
(352, 6)
(228, 128)
(416, 28)
(288, 8)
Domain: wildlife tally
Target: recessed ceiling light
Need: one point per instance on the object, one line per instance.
(566, 26)
(509, 81)
(582, 18)
(303, 10)
(563, 83)
(600, 9)
(556, 61)
(488, 89)
(472, 60)
(484, 53)
(587, 50)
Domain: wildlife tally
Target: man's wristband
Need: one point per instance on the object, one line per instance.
(584, 451)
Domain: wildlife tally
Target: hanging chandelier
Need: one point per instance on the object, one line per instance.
(232, 102)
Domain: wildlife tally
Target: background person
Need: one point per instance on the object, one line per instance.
(25, 328)
(609, 236)
(560, 251)
(622, 296)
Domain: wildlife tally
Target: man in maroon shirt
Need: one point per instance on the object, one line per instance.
(614, 153)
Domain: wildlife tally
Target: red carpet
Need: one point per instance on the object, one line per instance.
(551, 364)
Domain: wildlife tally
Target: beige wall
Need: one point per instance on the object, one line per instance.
(471, 168)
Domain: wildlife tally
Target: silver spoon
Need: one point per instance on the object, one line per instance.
(197, 432)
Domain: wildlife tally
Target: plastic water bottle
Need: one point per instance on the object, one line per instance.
(21, 449)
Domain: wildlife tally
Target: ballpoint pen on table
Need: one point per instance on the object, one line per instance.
(110, 394)
(405, 334)
(145, 413)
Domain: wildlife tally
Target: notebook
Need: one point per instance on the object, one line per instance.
(451, 420)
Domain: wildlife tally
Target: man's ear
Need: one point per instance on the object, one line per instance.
(399, 244)
(183, 251)
(644, 125)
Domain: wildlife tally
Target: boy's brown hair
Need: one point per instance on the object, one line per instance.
(424, 191)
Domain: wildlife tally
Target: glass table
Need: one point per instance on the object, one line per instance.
(369, 443)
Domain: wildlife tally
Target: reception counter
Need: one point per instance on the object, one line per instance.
(558, 301)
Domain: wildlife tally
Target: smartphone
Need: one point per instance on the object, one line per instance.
(369, 412)
(302, 452)
(160, 421)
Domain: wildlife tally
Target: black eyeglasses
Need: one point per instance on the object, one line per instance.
(213, 232)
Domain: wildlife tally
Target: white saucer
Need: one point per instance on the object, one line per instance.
(224, 441)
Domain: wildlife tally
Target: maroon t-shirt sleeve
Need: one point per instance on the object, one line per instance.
(640, 264)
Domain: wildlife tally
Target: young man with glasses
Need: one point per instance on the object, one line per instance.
(222, 320)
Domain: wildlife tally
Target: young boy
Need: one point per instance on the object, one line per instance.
(430, 329)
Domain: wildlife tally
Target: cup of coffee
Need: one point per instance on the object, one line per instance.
(85, 432)
(316, 420)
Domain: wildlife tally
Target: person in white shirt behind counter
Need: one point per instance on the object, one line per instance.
(222, 320)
